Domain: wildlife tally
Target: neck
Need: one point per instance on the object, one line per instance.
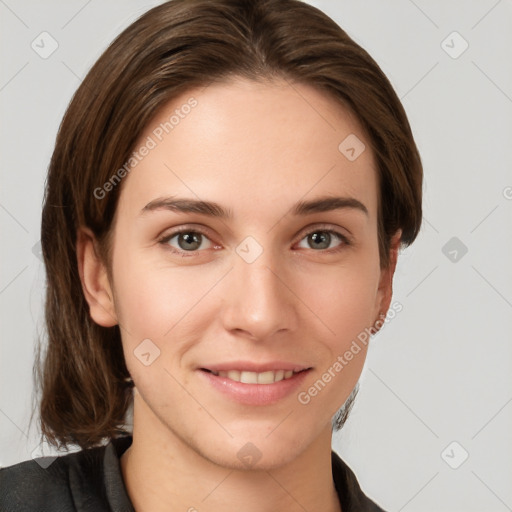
(163, 472)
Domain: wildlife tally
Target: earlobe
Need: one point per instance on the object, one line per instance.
(94, 278)
(385, 292)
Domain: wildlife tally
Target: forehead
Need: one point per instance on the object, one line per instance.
(252, 146)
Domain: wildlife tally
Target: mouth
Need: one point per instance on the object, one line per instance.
(249, 383)
(251, 377)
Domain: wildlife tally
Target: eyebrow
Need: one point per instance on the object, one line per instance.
(211, 209)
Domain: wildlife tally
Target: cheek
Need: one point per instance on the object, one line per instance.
(139, 299)
(343, 302)
(151, 297)
(153, 306)
(342, 297)
(333, 302)
(156, 301)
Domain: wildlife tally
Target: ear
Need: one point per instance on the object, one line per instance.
(94, 278)
(385, 291)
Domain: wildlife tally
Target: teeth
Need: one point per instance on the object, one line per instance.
(249, 377)
(279, 375)
(268, 377)
(233, 375)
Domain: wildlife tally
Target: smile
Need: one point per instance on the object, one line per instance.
(246, 377)
(250, 387)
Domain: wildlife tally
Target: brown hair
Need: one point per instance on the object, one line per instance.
(174, 47)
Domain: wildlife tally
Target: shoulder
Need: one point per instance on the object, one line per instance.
(65, 483)
(351, 496)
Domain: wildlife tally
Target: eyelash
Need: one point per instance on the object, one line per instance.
(164, 240)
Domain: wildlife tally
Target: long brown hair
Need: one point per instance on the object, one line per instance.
(84, 382)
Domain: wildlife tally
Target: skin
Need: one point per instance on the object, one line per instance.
(256, 149)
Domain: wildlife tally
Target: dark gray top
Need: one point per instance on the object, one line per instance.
(91, 481)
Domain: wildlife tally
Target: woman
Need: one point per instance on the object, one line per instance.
(225, 203)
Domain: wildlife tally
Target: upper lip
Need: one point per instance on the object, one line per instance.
(251, 366)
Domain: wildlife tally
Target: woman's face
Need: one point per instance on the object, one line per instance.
(270, 286)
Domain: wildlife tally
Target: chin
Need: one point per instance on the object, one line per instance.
(250, 458)
(260, 451)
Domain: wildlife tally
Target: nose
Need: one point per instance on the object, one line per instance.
(258, 298)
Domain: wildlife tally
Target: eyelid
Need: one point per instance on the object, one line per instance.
(184, 228)
(330, 228)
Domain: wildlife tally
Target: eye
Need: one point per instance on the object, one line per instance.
(323, 238)
(191, 241)
(186, 240)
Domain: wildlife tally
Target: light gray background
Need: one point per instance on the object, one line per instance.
(441, 370)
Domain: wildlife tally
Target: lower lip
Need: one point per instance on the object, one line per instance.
(255, 394)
